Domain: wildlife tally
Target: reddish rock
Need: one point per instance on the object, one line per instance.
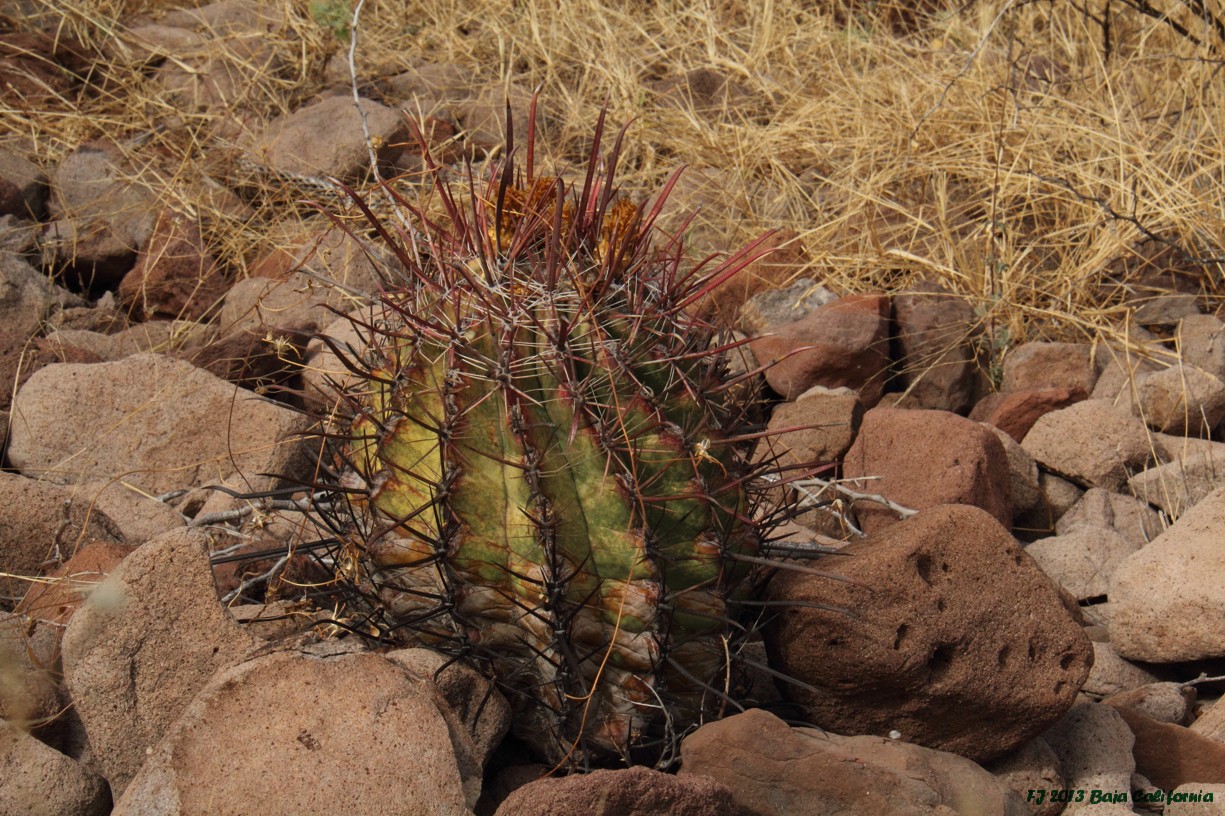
(175, 275)
(1091, 444)
(326, 139)
(1170, 755)
(937, 367)
(927, 458)
(264, 736)
(56, 600)
(842, 343)
(953, 637)
(631, 792)
(137, 651)
(1015, 412)
(41, 528)
(1050, 365)
(775, 770)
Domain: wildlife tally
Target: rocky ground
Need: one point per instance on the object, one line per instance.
(1044, 626)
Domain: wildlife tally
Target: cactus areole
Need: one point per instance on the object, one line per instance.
(547, 467)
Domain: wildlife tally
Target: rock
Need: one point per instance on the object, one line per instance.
(1165, 311)
(1032, 767)
(1026, 497)
(818, 428)
(1166, 600)
(175, 276)
(102, 217)
(901, 449)
(36, 780)
(1135, 521)
(1182, 400)
(326, 139)
(161, 424)
(1201, 343)
(1178, 486)
(1094, 745)
(1211, 723)
(481, 708)
(483, 114)
(954, 637)
(23, 187)
(766, 292)
(29, 682)
(1112, 674)
(142, 645)
(937, 357)
(1170, 755)
(1091, 444)
(1050, 365)
(264, 737)
(161, 336)
(1015, 412)
(1083, 560)
(775, 770)
(843, 343)
(766, 309)
(634, 791)
(1163, 702)
(65, 589)
(26, 296)
(1190, 800)
(41, 527)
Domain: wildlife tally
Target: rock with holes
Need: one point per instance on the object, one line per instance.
(954, 638)
(1166, 599)
(775, 770)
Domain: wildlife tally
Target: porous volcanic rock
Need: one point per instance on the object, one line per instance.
(300, 734)
(147, 639)
(1090, 443)
(634, 791)
(775, 770)
(953, 636)
(1166, 599)
(845, 342)
(904, 451)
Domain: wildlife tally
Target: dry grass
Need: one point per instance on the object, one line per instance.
(997, 150)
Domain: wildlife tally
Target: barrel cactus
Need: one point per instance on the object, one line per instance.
(546, 467)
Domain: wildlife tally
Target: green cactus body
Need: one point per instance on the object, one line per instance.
(555, 485)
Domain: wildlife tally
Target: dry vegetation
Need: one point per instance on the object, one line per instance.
(1018, 153)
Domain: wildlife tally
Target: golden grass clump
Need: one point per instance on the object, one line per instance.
(1011, 151)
